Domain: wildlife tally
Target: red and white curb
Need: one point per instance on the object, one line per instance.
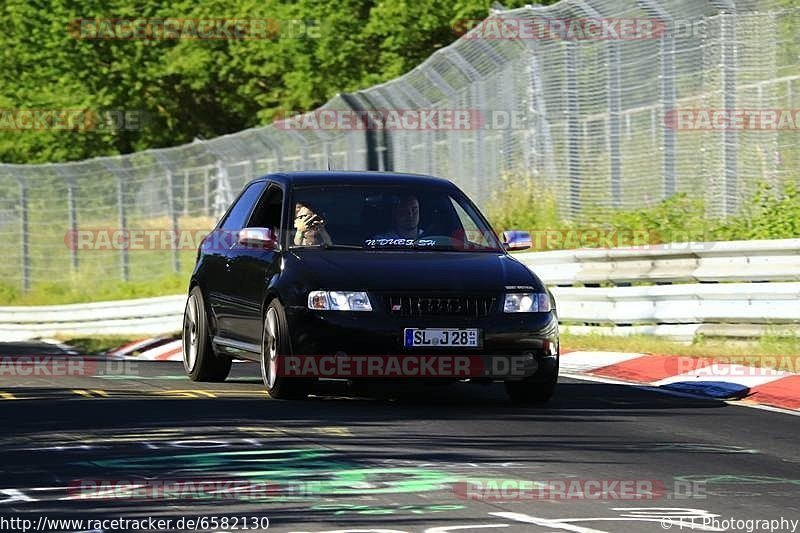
(138, 345)
(170, 351)
(690, 375)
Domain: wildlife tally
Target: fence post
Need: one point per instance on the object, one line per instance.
(542, 143)
(124, 259)
(173, 215)
(73, 222)
(669, 97)
(369, 128)
(385, 140)
(730, 136)
(222, 194)
(206, 210)
(23, 234)
(574, 138)
(477, 94)
(614, 126)
(72, 217)
(326, 147)
(186, 193)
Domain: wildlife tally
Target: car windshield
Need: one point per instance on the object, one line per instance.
(394, 217)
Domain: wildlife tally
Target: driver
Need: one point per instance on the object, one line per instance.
(405, 220)
(309, 227)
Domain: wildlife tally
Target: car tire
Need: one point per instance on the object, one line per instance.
(532, 391)
(274, 345)
(199, 359)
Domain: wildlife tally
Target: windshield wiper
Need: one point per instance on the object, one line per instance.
(342, 247)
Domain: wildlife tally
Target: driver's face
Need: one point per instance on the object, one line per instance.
(406, 215)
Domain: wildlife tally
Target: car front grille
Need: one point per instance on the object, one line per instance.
(420, 305)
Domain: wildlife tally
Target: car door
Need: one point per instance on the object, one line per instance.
(218, 248)
(252, 269)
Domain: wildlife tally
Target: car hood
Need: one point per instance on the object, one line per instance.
(412, 270)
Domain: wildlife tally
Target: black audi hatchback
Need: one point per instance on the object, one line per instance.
(342, 265)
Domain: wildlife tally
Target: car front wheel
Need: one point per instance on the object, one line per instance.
(275, 346)
(537, 389)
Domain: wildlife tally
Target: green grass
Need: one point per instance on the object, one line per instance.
(55, 293)
(782, 352)
(92, 344)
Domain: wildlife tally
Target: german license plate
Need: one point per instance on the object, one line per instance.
(442, 337)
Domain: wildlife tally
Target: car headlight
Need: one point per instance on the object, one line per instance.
(338, 301)
(527, 302)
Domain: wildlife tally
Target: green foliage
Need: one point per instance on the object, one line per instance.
(520, 202)
(525, 204)
(194, 88)
(679, 218)
(773, 213)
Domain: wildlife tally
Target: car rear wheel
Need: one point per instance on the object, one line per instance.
(275, 346)
(199, 359)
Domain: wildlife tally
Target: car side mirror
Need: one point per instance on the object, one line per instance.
(515, 240)
(261, 238)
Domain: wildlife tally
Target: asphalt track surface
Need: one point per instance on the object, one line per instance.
(411, 459)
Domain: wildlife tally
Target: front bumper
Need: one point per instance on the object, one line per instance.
(317, 333)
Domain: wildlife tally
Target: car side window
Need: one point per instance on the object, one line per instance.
(267, 213)
(237, 216)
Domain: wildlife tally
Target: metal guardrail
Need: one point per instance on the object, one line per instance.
(742, 288)
(746, 261)
(731, 289)
(144, 316)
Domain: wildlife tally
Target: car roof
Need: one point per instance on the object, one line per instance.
(360, 177)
